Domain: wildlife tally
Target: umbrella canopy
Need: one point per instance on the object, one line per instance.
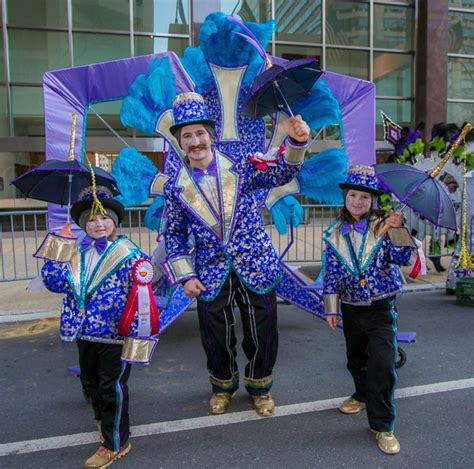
(279, 85)
(419, 191)
(60, 181)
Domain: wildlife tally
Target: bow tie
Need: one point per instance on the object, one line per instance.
(211, 170)
(359, 226)
(100, 244)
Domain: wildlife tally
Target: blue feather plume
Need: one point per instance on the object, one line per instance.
(134, 173)
(154, 213)
(286, 210)
(319, 108)
(320, 175)
(149, 96)
(219, 44)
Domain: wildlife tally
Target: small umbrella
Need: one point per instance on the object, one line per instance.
(421, 191)
(60, 181)
(279, 85)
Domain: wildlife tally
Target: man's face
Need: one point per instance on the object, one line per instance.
(196, 142)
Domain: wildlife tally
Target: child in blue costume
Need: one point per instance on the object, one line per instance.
(362, 280)
(97, 281)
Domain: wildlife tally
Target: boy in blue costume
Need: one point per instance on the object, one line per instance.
(234, 261)
(361, 279)
(97, 279)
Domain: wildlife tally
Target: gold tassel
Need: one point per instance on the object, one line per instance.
(97, 206)
(464, 131)
(72, 138)
(464, 261)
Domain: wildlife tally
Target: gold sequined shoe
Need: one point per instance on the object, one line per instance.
(351, 406)
(387, 442)
(264, 405)
(104, 457)
(219, 402)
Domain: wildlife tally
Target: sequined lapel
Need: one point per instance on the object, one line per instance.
(116, 254)
(369, 246)
(193, 199)
(74, 274)
(340, 245)
(229, 188)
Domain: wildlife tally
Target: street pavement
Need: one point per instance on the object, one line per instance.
(47, 424)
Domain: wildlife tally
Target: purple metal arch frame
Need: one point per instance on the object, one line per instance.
(75, 89)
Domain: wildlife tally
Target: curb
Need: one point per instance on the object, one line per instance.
(9, 317)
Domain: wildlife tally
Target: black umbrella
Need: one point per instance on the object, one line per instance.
(59, 181)
(279, 85)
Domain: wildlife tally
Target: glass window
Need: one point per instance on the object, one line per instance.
(348, 62)
(101, 14)
(393, 27)
(392, 74)
(4, 131)
(92, 48)
(161, 16)
(298, 20)
(461, 3)
(153, 45)
(399, 111)
(347, 23)
(27, 103)
(247, 10)
(110, 112)
(460, 112)
(460, 78)
(34, 52)
(298, 52)
(45, 13)
(461, 33)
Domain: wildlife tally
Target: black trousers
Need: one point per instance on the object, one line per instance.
(371, 346)
(260, 342)
(104, 378)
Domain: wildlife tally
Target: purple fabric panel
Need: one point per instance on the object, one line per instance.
(357, 100)
(73, 89)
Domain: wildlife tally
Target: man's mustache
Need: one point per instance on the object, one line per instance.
(199, 147)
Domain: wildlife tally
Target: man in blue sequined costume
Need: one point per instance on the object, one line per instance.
(234, 261)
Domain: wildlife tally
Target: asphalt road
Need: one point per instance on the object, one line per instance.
(40, 399)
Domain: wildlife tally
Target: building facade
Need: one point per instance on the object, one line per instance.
(420, 59)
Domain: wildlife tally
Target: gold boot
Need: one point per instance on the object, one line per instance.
(351, 406)
(387, 442)
(263, 405)
(219, 402)
(104, 457)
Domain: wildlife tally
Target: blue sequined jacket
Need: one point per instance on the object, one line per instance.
(235, 238)
(372, 276)
(92, 310)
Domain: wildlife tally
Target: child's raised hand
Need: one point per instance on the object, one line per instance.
(298, 129)
(66, 231)
(395, 219)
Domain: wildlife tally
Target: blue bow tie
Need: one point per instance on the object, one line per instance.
(100, 244)
(359, 226)
(211, 170)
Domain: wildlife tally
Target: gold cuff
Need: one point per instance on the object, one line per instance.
(401, 237)
(136, 350)
(180, 268)
(294, 155)
(56, 248)
(331, 303)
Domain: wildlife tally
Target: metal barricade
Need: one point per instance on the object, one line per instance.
(21, 232)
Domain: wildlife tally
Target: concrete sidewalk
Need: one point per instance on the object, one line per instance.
(19, 304)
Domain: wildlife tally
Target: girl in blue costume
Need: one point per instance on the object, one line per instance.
(97, 279)
(361, 281)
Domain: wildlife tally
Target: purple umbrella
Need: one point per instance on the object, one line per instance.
(279, 85)
(419, 191)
